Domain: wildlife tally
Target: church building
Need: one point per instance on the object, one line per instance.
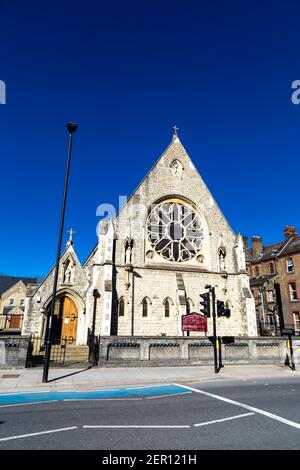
(151, 263)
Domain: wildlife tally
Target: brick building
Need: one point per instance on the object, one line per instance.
(151, 263)
(274, 272)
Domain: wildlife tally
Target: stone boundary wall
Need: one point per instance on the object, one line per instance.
(116, 351)
(122, 351)
(13, 351)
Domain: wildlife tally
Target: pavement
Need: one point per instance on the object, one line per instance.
(89, 377)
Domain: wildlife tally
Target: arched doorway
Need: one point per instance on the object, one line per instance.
(65, 320)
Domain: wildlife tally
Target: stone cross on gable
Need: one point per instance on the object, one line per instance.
(71, 232)
(175, 129)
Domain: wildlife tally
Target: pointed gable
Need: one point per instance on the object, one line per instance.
(68, 262)
(174, 178)
(173, 175)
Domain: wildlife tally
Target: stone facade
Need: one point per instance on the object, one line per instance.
(13, 299)
(153, 260)
(151, 277)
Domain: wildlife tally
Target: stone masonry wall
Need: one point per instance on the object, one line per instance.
(13, 352)
(116, 351)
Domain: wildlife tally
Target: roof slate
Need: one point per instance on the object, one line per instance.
(260, 280)
(276, 249)
(292, 247)
(6, 282)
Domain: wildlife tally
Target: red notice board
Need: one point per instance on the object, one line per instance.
(194, 322)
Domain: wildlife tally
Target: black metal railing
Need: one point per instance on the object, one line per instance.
(36, 351)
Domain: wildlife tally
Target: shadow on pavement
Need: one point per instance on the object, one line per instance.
(72, 373)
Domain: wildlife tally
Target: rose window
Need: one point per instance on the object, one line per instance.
(174, 231)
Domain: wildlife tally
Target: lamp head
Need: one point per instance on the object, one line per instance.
(72, 127)
(96, 293)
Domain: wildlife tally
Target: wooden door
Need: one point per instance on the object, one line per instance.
(69, 321)
(15, 322)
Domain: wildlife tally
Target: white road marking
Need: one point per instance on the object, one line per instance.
(224, 419)
(100, 399)
(24, 393)
(242, 405)
(97, 390)
(136, 426)
(37, 433)
(206, 379)
(169, 395)
(29, 403)
(148, 386)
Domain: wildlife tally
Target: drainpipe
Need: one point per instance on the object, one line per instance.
(96, 296)
(261, 291)
(132, 304)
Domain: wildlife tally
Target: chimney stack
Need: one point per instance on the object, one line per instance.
(290, 231)
(257, 246)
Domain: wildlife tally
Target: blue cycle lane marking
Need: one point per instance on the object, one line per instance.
(32, 397)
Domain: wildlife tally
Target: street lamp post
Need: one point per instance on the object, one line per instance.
(72, 127)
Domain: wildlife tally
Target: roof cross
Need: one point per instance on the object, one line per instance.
(71, 232)
(175, 129)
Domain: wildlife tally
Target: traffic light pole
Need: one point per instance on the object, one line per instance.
(290, 345)
(220, 353)
(213, 298)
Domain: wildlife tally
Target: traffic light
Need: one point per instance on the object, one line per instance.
(206, 304)
(221, 310)
(227, 313)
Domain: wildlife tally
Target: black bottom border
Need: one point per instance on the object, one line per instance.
(138, 458)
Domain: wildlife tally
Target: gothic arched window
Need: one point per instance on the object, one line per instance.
(167, 307)
(145, 307)
(121, 307)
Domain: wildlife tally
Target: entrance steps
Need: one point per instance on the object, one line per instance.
(70, 353)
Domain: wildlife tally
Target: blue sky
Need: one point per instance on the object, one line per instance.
(127, 72)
